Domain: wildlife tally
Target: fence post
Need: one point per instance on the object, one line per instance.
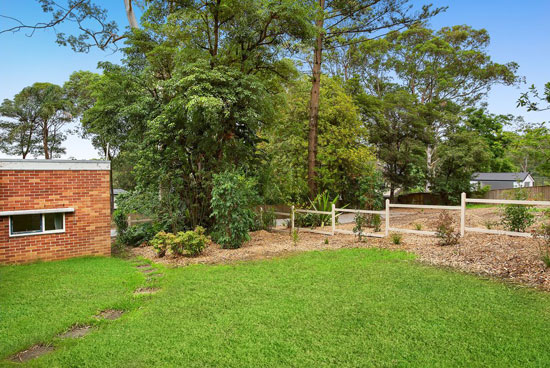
(333, 219)
(462, 213)
(387, 230)
(292, 220)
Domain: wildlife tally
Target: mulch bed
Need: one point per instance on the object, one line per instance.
(511, 258)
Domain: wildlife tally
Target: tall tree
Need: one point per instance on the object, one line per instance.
(41, 112)
(443, 69)
(340, 23)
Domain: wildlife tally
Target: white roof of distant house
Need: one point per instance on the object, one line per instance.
(508, 176)
(119, 191)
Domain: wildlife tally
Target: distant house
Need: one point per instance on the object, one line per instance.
(502, 180)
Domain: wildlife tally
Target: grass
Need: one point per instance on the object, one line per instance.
(351, 307)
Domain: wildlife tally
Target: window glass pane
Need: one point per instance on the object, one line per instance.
(53, 221)
(26, 223)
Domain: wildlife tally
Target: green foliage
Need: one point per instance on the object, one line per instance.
(517, 217)
(445, 231)
(542, 235)
(190, 242)
(376, 221)
(265, 219)
(120, 218)
(37, 118)
(396, 238)
(295, 237)
(233, 195)
(322, 202)
(371, 191)
(138, 234)
(418, 226)
(162, 242)
(532, 98)
(360, 223)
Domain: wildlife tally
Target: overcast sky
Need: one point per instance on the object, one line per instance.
(519, 32)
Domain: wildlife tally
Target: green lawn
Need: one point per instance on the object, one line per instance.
(352, 307)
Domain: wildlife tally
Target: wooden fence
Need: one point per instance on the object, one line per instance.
(539, 193)
(387, 214)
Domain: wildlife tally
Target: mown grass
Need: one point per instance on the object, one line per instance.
(352, 307)
(39, 300)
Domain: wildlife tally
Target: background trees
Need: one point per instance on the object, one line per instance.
(36, 121)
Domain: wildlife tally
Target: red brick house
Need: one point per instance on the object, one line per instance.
(53, 209)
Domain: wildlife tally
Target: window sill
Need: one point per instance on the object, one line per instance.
(38, 233)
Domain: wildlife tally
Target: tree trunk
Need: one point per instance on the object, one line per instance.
(130, 14)
(45, 141)
(314, 105)
(430, 166)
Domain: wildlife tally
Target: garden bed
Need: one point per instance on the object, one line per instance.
(515, 259)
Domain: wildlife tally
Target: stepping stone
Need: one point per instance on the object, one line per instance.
(32, 353)
(140, 267)
(148, 270)
(76, 332)
(146, 290)
(110, 314)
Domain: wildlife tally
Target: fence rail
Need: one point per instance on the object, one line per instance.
(387, 213)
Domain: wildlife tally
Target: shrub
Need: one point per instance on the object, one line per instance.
(265, 220)
(322, 202)
(517, 217)
(191, 242)
(418, 226)
(162, 242)
(446, 231)
(360, 222)
(138, 234)
(121, 221)
(542, 235)
(376, 221)
(232, 198)
(396, 238)
(295, 237)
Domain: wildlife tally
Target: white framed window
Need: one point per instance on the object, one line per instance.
(37, 223)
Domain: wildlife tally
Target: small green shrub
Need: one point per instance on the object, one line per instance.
(233, 196)
(542, 235)
(121, 221)
(162, 242)
(376, 222)
(295, 237)
(190, 242)
(138, 234)
(446, 231)
(517, 217)
(265, 220)
(418, 226)
(326, 240)
(360, 222)
(396, 238)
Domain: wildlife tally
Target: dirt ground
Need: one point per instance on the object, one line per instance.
(513, 258)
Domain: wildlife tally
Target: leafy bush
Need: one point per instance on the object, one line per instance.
(190, 242)
(162, 242)
(446, 231)
(121, 221)
(265, 220)
(322, 202)
(396, 238)
(138, 234)
(418, 226)
(376, 221)
(360, 222)
(371, 191)
(517, 217)
(542, 235)
(233, 195)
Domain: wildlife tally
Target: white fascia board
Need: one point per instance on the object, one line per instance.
(36, 212)
(10, 164)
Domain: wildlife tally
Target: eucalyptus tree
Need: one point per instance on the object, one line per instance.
(38, 117)
(442, 69)
(339, 24)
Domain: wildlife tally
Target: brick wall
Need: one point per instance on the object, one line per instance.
(87, 230)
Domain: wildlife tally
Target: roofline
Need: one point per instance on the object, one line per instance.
(53, 165)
